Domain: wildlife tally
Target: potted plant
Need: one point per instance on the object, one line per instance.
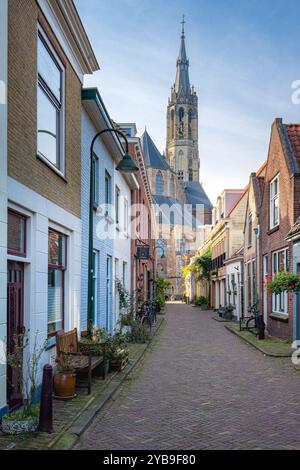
(94, 341)
(201, 302)
(229, 312)
(26, 368)
(118, 351)
(65, 377)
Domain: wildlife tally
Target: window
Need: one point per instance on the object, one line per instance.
(181, 114)
(57, 259)
(95, 286)
(280, 263)
(107, 193)
(159, 184)
(274, 202)
(124, 273)
(249, 284)
(190, 174)
(117, 205)
(125, 216)
(95, 175)
(16, 234)
(190, 123)
(172, 124)
(180, 175)
(172, 186)
(250, 229)
(50, 104)
(254, 292)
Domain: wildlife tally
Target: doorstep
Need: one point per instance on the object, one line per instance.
(272, 347)
(71, 418)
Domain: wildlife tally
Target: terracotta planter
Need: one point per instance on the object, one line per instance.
(64, 385)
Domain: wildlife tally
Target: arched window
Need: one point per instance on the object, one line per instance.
(190, 122)
(159, 183)
(181, 114)
(172, 124)
(180, 160)
(172, 186)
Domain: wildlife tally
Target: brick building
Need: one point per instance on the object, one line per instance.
(3, 193)
(279, 212)
(252, 258)
(49, 53)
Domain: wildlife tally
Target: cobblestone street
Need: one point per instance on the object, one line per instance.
(200, 387)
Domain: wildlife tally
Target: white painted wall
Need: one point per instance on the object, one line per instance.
(3, 195)
(43, 214)
(234, 269)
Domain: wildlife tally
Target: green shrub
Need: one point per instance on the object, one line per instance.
(201, 301)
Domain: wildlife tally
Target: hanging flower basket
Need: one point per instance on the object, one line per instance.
(283, 282)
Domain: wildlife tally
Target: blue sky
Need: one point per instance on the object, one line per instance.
(243, 59)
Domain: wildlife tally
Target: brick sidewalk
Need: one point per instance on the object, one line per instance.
(202, 388)
(70, 417)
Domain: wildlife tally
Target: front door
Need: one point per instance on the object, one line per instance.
(15, 325)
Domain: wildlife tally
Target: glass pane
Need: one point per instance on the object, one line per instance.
(281, 261)
(56, 249)
(47, 128)
(16, 233)
(49, 70)
(55, 300)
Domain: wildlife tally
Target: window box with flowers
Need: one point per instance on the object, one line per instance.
(283, 282)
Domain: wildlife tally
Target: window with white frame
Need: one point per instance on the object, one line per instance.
(50, 104)
(95, 180)
(274, 202)
(107, 193)
(280, 263)
(250, 229)
(125, 215)
(117, 205)
(57, 264)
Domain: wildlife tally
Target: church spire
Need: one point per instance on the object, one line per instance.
(182, 81)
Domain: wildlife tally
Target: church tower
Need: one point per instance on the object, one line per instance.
(182, 122)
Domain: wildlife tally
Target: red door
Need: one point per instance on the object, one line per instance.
(15, 325)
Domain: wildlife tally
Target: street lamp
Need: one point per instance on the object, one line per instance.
(126, 166)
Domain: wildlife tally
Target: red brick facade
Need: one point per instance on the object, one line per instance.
(271, 240)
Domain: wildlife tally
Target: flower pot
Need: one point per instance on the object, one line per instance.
(64, 385)
(11, 426)
(106, 366)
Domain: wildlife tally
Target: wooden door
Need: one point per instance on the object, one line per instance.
(15, 325)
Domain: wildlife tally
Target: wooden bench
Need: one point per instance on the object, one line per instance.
(67, 343)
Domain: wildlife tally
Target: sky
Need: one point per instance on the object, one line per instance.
(243, 60)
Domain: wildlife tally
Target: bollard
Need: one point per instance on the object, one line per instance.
(261, 327)
(46, 408)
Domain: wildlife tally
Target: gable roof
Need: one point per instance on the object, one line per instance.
(152, 156)
(290, 140)
(195, 194)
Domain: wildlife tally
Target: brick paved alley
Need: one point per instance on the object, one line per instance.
(201, 387)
